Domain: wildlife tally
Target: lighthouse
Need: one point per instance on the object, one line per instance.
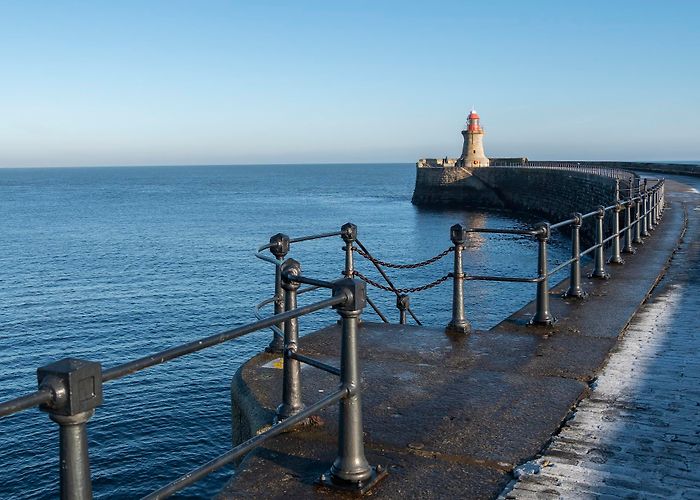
(473, 151)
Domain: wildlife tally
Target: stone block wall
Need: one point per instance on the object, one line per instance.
(550, 193)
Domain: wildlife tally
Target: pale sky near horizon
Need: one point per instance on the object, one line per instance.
(225, 82)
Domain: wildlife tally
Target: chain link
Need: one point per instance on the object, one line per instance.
(376, 284)
(403, 266)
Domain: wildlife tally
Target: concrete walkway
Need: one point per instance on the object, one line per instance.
(638, 433)
(448, 416)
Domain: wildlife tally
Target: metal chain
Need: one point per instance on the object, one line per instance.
(403, 266)
(402, 290)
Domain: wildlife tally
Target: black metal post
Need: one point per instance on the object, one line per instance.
(628, 248)
(645, 207)
(76, 386)
(291, 369)
(599, 259)
(616, 258)
(638, 223)
(350, 470)
(650, 209)
(575, 289)
(542, 315)
(348, 232)
(458, 323)
(279, 247)
(402, 304)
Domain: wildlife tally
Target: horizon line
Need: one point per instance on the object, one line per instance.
(182, 165)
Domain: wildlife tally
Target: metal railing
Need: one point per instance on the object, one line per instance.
(600, 170)
(642, 205)
(70, 390)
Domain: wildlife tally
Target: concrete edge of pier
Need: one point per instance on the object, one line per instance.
(448, 416)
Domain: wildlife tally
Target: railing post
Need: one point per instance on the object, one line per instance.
(542, 315)
(350, 470)
(279, 247)
(291, 368)
(616, 258)
(575, 289)
(655, 207)
(638, 222)
(650, 211)
(599, 260)
(402, 304)
(617, 189)
(628, 248)
(76, 386)
(458, 323)
(348, 232)
(645, 205)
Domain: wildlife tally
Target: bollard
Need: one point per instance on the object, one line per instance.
(599, 260)
(402, 304)
(76, 386)
(575, 289)
(348, 232)
(628, 248)
(616, 258)
(279, 247)
(291, 368)
(638, 223)
(458, 323)
(350, 470)
(542, 315)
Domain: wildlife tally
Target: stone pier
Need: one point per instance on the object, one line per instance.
(450, 416)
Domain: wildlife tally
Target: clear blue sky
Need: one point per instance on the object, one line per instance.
(214, 82)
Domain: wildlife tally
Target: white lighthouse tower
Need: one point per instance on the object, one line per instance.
(473, 151)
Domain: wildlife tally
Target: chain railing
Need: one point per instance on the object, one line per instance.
(424, 263)
(386, 288)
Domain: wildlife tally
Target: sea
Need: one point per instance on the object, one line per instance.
(110, 264)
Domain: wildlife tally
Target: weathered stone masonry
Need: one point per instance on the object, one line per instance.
(552, 194)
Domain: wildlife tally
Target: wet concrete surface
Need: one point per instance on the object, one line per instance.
(448, 416)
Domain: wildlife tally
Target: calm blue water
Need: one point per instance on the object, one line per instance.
(110, 264)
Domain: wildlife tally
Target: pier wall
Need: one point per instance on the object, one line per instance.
(552, 194)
